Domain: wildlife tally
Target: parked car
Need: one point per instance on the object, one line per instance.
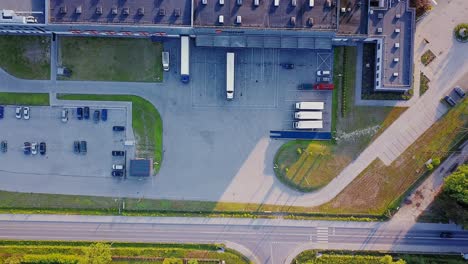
(27, 148)
(450, 100)
(1, 111)
(118, 153)
(64, 115)
(118, 128)
(118, 167)
(19, 112)
(104, 114)
(42, 148)
(86, 112)
(26, 113)
(323, 73)
(446, 234)
(459, 91)
(34, 148)
(287, 66)
(4, 146)
(76, 146)
(79, 113)
(96, 115)
(117, 173)
(323, 79)
(83, 147)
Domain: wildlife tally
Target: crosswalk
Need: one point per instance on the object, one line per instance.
(322, 234)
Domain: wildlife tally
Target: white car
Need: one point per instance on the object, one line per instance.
(117, 167)
(26, 113)
(34, 148)
(19, 112)
(64, 115)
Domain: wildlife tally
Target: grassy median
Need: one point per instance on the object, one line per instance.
(112, 59)
(24, 99)
(146, 123)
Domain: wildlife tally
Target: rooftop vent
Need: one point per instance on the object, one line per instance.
(126, 11)
(221, 19)
(256, 2)
(397, 30)
(398, 16)
(221, 2)
(293, 21)
(396, 60)
(177, 12)
(162, 12)
(293, 2)
(310, 21)
(99, 10)
(239, 2)
(141, 11)
(238, 20)
(397, 45)
(78, 10)
(395, 74)
(276, 2)
(204, 2)
(63, 10)
(380, 15)
(379, 30)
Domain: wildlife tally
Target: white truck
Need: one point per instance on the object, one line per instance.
(308, 115)
(308, 124)
(310, 105)
(165, 60)
(230, 62)
(184, 59)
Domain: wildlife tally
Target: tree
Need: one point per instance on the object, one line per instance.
(421, 6)
(98, 253)
(436, 161)
(172, 261)
(388, 260)
(456, 185)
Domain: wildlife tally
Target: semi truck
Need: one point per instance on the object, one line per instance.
(310, 105)
(304, 115)
(308, 124)
(230, 62)
(185, 59)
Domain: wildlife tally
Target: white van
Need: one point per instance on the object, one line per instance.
(323, 73)
(165, 60)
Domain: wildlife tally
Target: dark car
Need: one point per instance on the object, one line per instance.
(42, 148)
(86, 112)
(76, 146)
(2, 109)
(96, 116)
(117, 173)
(449, 100)
(4, 146)
(287, 66)
(79, 113)
(83, 147)
(118, 128)
(27, 148)
(104, 114)
(459, 91)
(118, 153)
(446, 234)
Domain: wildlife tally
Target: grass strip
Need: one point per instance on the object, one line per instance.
(30, 99)
(146, 123)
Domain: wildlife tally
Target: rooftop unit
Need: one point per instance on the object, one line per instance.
(396, 60)
(78, 10)
(177, 12)
(63, 10)
(114, 10)
(397, 45)
(397, 30)
(293, 2)
(162, 12)
(221, 2)
(221, 19)
(310, 21)
(238, 20)
(293, 21)
(126, 11)
(141, 11)
(380, 15)
(276, 2)
(398, 16)
(379, 30)
(98, 10)
(256, 2)
(395, 74)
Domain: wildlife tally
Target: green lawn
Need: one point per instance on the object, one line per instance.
(120, 252)
(423, 84)
(309, 165)
(146, 123)
(25, 57)
(112, 59)
(24, 99)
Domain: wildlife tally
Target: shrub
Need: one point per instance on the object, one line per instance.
(50, 259)
(429, 166)
(436, 161)
(457, 30)
(172, 261)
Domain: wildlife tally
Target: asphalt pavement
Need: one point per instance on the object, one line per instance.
(262, 240)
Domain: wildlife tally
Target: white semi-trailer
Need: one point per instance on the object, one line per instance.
(230, 62)
(308, 115)
(308, 124)
(310, 106)
(185, 59)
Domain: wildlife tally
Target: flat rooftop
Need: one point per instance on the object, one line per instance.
(34, 8)
(288, 14)
(160, 12)
(395, 25)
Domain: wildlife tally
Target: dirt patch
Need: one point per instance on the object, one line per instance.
(34, 51)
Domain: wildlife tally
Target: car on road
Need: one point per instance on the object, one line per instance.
(4, 146)
(34, 148)
(2, 109)
(116, 153)
(446, 235)
(86, 112)
(459, 91)
(323, 79)
(287, 66)
(450, 100)
(117, 166)
(27, 148)
(117, 173)
(79, 113)
(64, 115)
(118, 128)
(76, 147)
(104, 114)
(96, 115)
(42, 148)
(19, 112)
(26, 113)
(83, 147)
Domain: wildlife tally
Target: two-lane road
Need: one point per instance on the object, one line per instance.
(265, 241)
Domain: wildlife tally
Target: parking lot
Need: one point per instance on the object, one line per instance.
(45, 125)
